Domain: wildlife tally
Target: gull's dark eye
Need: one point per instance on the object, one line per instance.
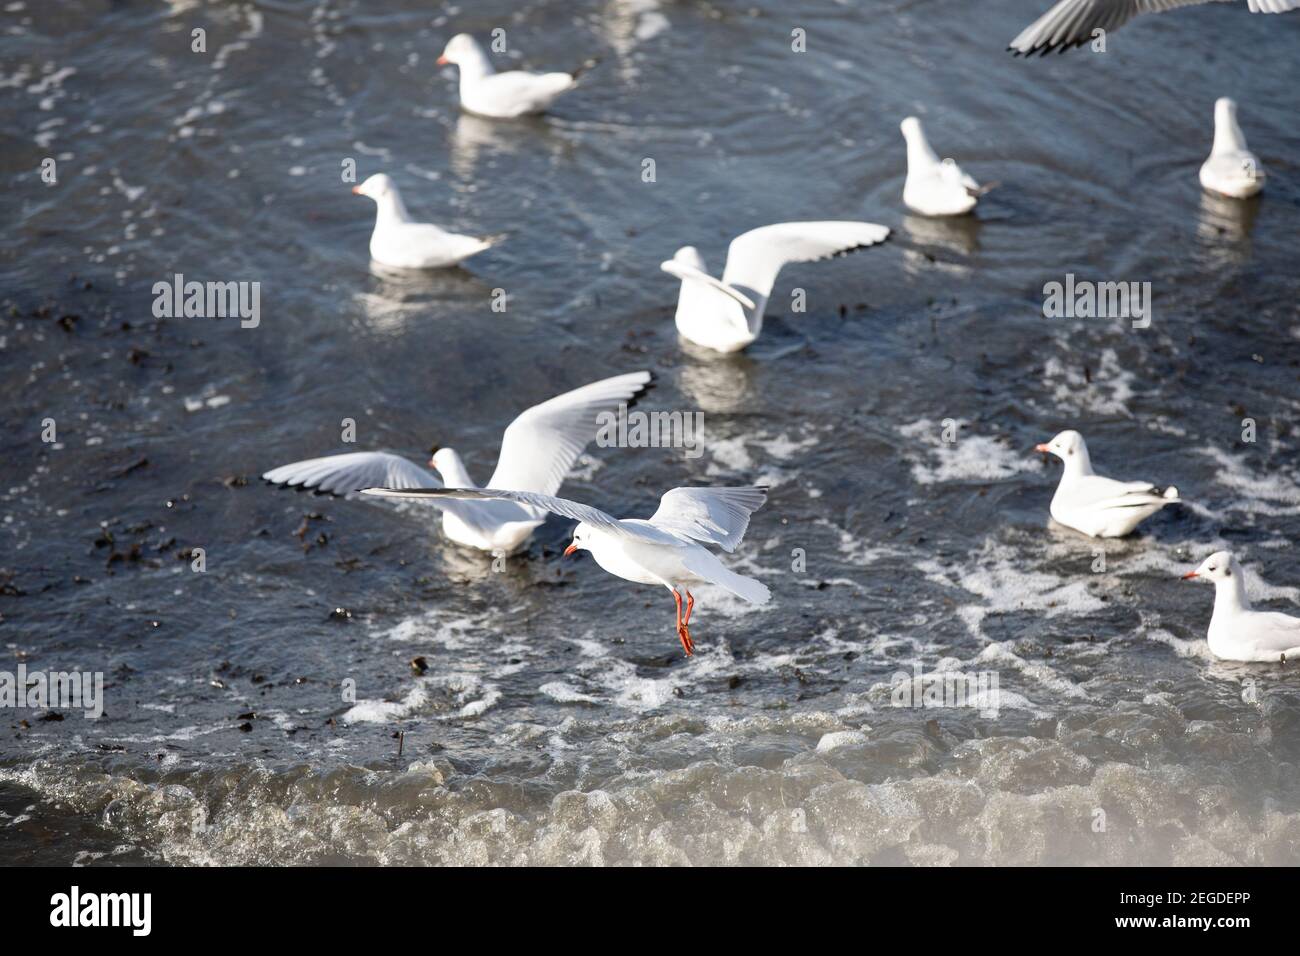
(1211, 567)
(1070, 452)
(1227, 572)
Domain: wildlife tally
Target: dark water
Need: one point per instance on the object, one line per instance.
(557, 721)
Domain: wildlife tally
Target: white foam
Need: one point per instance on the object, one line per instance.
(969, 458)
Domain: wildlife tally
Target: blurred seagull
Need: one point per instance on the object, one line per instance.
(935, 187)
(1097, 506)
(663, 550)
(537, 451)
(727, 315)
(1071, 23)
(502, 95)
(400, 243)
(1232, 169)
(1238, 633)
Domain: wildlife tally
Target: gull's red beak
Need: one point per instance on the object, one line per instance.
(570, 549)
(1042, 447)
(1190, 574)
(356, 190)
(442, 61)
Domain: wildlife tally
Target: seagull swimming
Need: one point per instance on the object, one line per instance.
(537, 451)
(727, 315)
(1097, 506)
(934, 186)
(1232, 169)
(501, 95)
(1238, 633)
(663, 550)
(1071, 23)
(403, 244)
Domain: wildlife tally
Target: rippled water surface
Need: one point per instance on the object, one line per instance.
(557, 721)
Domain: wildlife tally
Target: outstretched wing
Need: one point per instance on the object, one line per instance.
(755, 257)
(541, 445)
(689, 273)
(344, 474)
(560, 506)
(714, 515)
(1071, 23)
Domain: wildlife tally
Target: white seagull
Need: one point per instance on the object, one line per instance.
(1232, 169)
(403, 244)
(1238, 633)
(663, 550)
(1097, 506)
(537, 451)
(1071, 23)
(727, 315)
(501, 95)
(934, 186)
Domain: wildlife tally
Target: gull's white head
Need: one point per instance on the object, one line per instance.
(1068, 444)
(1220, 566)
(581, 539)
(687, 256)
(911, 127)
(443, 459)
(460, 49)
(377, 187)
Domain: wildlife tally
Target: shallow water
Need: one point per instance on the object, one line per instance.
(557, 721)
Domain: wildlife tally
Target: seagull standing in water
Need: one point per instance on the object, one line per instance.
(1238, 633)
(501, 95)
(1071, 23)
(934, 186)
(726, 315)
(537, 451)
(1098, 506)
(663, 550)
(1232, 169)
(400, 243)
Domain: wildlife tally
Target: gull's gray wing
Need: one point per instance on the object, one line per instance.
(715, 515)
(541, 445)
(560, 506)
(344, 474)
(1070, 23)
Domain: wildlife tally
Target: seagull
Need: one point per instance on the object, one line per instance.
(1232, 169)
(1071, 23)
(400, 243)
(537, 451)
(935, 187)
(663, 550)
(727, 315)
(501, 95)
(1238, 633)
(1097, 506)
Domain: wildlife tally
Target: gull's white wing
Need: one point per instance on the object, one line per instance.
(1071, 22)
(755, 257)
(560, 506)
(1274, 631)
(1096, 491)
(343, 474)
(689, 273)
(541, 445)
(715, 515)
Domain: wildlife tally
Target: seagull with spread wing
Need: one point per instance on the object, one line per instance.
(1071, 23)
(663, 550)
(537, 451)
(726, 315)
